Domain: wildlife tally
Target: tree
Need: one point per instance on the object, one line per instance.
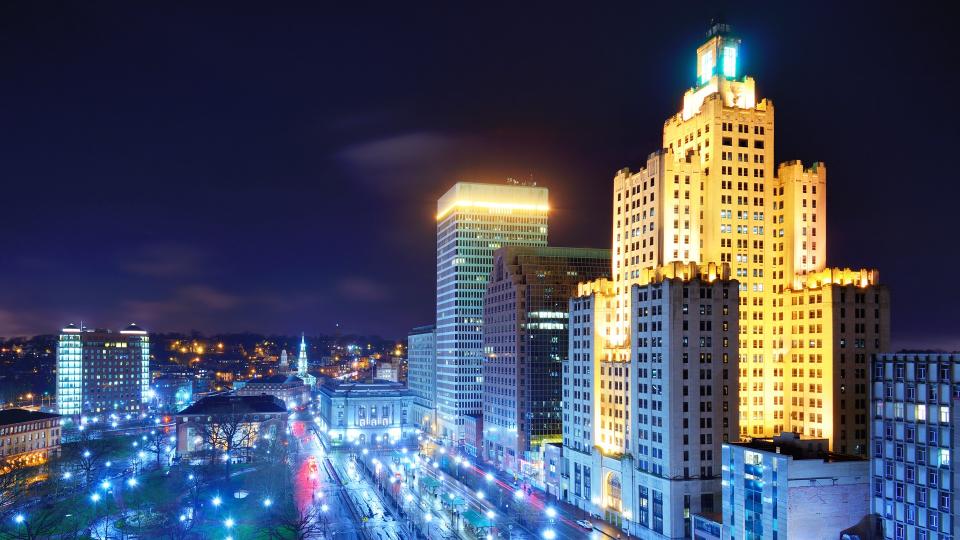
(13, 485)
(227, 435)
(304, 524)
(158, 444)
(41, 522)
(87, 454)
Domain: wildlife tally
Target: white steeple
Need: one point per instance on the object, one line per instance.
(284, 363)
(302, 357)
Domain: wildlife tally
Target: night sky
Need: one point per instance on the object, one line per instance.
(227, 167)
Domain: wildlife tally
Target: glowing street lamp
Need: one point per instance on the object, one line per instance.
(549, 534)
(267, 502)
(228, 523)
(217, 501)
(19, 518)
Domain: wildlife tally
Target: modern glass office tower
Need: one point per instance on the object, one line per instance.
(915, 438)
(474, 220)
(99, 371)
(525, 320)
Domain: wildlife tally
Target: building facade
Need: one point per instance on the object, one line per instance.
(642, 432)
(714, 194)
(474, 220)
(229, 424)
(788, 487)
(422, 376)
(99, 371)
(27, 438)
(287, 388)
(916, 434)
(525, 319)
(370, 412)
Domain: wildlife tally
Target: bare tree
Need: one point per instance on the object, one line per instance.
(158, 444)
(13, 485)
(228, 435)
(87, 454)
(39, 523)
(305, 524)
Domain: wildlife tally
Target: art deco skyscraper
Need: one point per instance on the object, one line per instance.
(474, 220)
(712, 196)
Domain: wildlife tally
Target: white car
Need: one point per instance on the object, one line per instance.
(586, 524)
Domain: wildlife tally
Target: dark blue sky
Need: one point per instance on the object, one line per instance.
(232, 167)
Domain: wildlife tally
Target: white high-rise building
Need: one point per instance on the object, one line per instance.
(473, 220)
(99, 371)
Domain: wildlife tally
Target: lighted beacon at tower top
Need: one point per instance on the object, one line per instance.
(719, 70)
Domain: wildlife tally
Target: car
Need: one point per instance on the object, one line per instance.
(586, 524)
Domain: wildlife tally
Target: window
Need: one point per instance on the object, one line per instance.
(921, 413)
(944, 457)
(944, 414)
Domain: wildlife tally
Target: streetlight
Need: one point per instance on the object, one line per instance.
(489, 477)
(95, 497)
(216, 501)
(267, 502)
(19, 518)
(228, 523)
(549, 534)
(132, 482)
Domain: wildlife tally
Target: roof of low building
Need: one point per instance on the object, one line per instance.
(276, 379)
(375, 387)
(231, 404)
(19, 416)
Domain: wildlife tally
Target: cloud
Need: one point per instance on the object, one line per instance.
(362, 289)
(413, 160)
(168, 260)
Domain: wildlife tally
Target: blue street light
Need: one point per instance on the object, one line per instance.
(132, 482)
(19, 518)
(267, 502)
(216, 501)
(228, 523)
(95, 497)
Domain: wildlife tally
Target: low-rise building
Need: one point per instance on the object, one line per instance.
(788, 487)
(365, 411)
(290, 388)
(28, 437)
(229, 423)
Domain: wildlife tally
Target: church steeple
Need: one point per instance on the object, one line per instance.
(302, 363)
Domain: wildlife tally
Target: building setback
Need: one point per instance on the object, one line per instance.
(474, 220)
(915, 412)
(524, 345)
(99, 371)
(642, 434)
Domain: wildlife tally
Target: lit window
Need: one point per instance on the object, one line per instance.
(730, 61)
(944, 414)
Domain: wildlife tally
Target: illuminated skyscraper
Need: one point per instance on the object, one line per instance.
(99, 371)
(473, 220)
(711, 197)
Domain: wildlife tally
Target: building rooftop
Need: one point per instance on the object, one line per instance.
(375, 387)
(791, 445)
(230, 404)
(276, 379)
(19, 416)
